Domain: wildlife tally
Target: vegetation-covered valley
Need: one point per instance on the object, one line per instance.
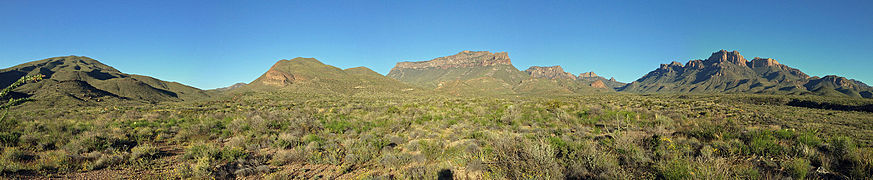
(285, 135)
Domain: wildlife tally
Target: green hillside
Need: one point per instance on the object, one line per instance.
(77, 80)
(308, 75)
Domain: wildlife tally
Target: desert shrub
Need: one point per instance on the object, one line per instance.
(675, 168)
(842, 145)
(230, 154)
(309, 138)
(337, 125)
(105, 160)
(764, 144)
(784, 133)
(198, 150)
(796, 167)
(87, 142)
(201, 169)
(56, 160)
(287, 141)
(287, 156)
(11, 159)
(15, 154)
(809, 138)
(519, 158)
(143, 151)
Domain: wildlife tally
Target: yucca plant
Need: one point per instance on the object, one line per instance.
(16, 84)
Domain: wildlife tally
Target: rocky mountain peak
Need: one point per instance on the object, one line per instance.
(551, 72)
(762, 62)
(462, 59)
(732, 57)
(838, 80)
(588, 75)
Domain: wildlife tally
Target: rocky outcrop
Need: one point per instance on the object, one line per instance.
(462, 59)
(550, 72)
(762, 62)
(598, 84)
(277, 78)
(724, 56)
(588, 75)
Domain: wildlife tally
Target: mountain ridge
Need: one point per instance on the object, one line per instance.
(730, 72)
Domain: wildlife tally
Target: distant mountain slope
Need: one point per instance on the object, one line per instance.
(730, 72)
(82, 81)
(464, 66)
(594, 79)
(564, 80)
(483, 72)
(308, 75)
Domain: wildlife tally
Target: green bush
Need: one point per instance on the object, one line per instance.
(797, 167)
(809, 138)
(674, 169)
(763, 143)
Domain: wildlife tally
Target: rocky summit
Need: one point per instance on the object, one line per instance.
(467, 68)
(462, 59)
(588, 75)
(726, 71)
(549, 72)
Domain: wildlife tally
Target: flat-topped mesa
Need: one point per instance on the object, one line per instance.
(588, 75)
(732, 57)
(462, 59)
(551, 72)
(762, 62)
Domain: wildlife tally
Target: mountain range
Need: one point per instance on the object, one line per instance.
(76, 80)
(730, 72)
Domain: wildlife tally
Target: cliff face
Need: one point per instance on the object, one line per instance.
(462, 59)
(550, 72)
(477, 67)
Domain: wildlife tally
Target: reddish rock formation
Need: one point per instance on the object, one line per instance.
(588, 75)
(598, 84)
(696, 64)
(551, 72)
(462, 59)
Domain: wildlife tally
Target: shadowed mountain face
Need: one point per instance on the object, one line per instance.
(730, 72)
(82, 80)
(308, 75)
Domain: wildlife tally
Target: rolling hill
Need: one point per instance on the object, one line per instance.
(78, 80)
(308, 75)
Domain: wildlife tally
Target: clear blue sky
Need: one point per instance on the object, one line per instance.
(210, 44)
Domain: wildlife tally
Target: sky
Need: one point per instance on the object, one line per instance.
(211, 44)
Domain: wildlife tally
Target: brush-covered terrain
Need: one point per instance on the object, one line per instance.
(472, 115)
(288, 135)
